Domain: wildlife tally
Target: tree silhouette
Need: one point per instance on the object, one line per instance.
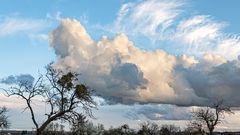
(169, 130)
(210, 116)
(78, 124)
(4, 123)
(62, 93)
(148, 128)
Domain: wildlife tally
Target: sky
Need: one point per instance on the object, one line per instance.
(155, 59)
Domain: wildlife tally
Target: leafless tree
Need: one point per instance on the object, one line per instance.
(169, 130)
(4, 123)
(62, 93)
(210, 116)
(195, 127)
(148, 128)
(78, 124)
(125, 128)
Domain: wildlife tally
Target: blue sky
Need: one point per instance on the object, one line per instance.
(93, 12)
(25, 26)
(22, 51)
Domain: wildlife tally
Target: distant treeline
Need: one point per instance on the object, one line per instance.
(88, 128)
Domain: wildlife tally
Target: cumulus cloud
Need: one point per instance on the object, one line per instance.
(213, 82)
(118, 70)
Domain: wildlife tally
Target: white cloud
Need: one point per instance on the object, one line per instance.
(169, 24)
(229, 48)
(213, 60)
(12, 103)
(199, 29)
(14, 25)
(20, 118)
(15, 102)
(201, 34)
(118, 70)
(39, 37)
(149, 18)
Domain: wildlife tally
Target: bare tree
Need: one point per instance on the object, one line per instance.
(4, 123)
(122, 130)
(169, 130)
(61, 91)
(195, 127)
(210, 116)
(78, 124)
(125, 128)
(148, 128)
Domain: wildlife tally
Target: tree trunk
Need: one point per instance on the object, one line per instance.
(39, 131)
(211, 132)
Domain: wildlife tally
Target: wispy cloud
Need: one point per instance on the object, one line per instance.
(39, 37)
(199, 30)
(149, 18)
(14, 25)
(169, 24)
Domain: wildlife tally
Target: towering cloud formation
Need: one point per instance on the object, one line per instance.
(118, 70)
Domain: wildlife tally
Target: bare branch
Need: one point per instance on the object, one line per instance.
(211, 116)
